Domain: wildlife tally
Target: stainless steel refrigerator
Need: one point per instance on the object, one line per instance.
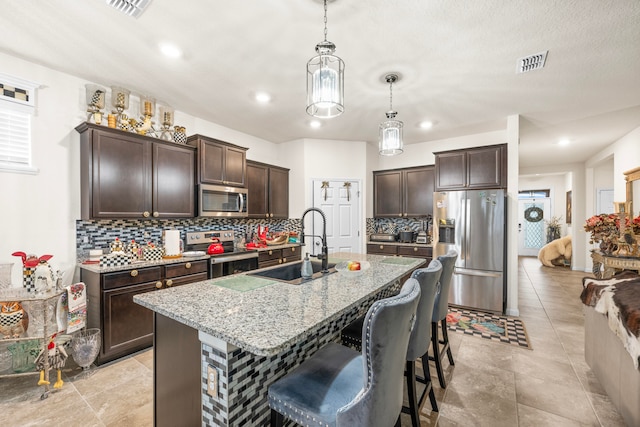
(473, 222)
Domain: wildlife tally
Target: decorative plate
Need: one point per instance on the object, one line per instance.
(343, 267)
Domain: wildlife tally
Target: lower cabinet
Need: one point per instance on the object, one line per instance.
(126, 326)
(271, 257)
(425, 252)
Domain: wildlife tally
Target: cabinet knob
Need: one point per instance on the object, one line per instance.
(284, 260)
(400, 214)
(266, 215)
(381, 246)
(270, 252)
(293, 249)
(169, 282)
(405, 214)
(156, 215)
(415, 249)
(187, 265)
(280, 261)
(146, 214)
(134, 273)
(158, 285)
(271, 215)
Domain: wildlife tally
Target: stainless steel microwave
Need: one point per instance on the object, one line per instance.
(219, 200)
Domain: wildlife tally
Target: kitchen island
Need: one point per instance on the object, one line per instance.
(219, 344)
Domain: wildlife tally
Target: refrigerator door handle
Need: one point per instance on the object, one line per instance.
(467, 222)
(467, 272)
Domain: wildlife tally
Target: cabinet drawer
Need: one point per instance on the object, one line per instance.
(269, 263)
(131, 277)
(415, 251)
(186, 268)
(291, 254)
(269, 255)
(381, 248)
(187, 279)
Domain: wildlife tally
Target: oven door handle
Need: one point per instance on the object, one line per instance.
(237, 257)
(241, 197)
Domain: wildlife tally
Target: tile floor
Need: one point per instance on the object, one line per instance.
(491, 384)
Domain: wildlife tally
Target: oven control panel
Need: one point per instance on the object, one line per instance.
(202, 237)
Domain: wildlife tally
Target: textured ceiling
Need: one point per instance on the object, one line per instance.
(457, 60)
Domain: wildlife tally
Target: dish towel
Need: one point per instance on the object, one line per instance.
(77, 304)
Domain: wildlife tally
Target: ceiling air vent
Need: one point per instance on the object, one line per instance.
(532, 62)
(130, 7)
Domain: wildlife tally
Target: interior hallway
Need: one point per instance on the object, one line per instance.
(492, 384)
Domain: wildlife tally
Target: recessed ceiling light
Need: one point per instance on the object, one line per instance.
(564, 142)
(263, 97)
(170, 50)
(426, 124)
(315, 124)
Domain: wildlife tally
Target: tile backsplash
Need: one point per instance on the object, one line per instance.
(98, 234)
(393, 225)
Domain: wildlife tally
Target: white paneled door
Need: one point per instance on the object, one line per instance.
(532, 214)
(340, 201)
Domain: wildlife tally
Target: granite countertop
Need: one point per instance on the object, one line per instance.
(264, 316)
(141, 264)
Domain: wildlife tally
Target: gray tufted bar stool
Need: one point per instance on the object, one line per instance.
(421, 339)
(440, 310)
(341, 387)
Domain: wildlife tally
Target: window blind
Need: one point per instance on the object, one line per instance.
(15, 138)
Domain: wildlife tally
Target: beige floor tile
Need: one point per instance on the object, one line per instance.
(605, 411)
(532, 417)
(114, 404)
(478, 409)
(111, 376)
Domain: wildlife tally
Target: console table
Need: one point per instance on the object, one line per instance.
(605, 266)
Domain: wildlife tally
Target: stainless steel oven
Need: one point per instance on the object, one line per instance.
(219, 200)
(231, 261)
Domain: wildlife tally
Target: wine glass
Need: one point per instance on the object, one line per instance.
(85, 346)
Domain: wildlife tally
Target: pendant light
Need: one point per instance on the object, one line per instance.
(390, 138)
(325, 79)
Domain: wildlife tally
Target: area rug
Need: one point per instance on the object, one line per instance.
(503, 329)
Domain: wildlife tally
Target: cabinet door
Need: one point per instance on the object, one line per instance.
(128, 327)
(121, 175)
(257, 190)
(451, 171)
(234, 167)
(485, 167)
(278, 193)
(173, 181)
(418, 192)
(211, 162)
(387, 194)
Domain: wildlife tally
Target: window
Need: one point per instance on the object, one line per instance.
(17, 106)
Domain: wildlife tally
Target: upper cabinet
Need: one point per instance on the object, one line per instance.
(125, 175)
(403, 192)
(268, 191)
(473, 168)
(219, 162)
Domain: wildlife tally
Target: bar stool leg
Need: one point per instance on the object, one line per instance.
(412, 394)
(427, 376)
(437, 356)
(277, 419)
(445, 337)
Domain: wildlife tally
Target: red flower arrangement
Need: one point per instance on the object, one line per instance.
(606, 227)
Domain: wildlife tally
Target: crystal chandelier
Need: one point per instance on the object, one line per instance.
(325, 79)
(390, 138)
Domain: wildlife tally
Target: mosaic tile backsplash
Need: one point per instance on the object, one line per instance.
(393, 225)
(98, 234)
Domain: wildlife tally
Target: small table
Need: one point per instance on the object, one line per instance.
(605, 266)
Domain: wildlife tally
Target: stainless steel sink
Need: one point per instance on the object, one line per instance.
(290, 273)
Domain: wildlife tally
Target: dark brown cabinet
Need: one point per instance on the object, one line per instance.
(125, 175)
(268, 190)
(271, 257)
(412, 251)
(126, 326)
(403, 192)
(473, 168)
(219, 162)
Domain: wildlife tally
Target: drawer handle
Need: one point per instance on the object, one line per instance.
(134, 273)
(158, 285)
(293, 249)
(270, 252)
(156, 215)
(271, 215)
(284, 259)
(169, 282)
(280, 261)
(146, 214)
(400, 214)
(187, 265)
(266, 215)
(381, 246)
(415, 249)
